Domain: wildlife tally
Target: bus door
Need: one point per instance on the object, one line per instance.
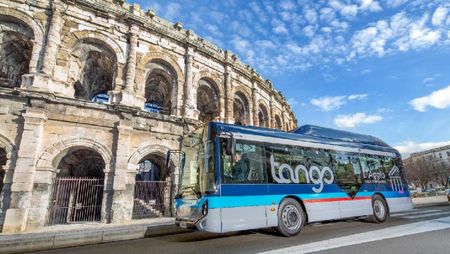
(349, 177)
(244, 186)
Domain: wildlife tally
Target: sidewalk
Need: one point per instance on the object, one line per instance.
(429, 201)
(81, 234)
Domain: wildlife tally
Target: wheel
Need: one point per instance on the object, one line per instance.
(291, 217)
(379, 208)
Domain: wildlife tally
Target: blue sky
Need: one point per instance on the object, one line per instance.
(369, 66)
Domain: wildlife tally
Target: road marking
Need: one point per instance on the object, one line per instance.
(424, 215)
(371, 236)
(413, 212)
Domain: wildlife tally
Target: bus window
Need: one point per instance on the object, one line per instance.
(347, 172)
(388, 164)
(373, 171)
(247, 165)
(291, 157)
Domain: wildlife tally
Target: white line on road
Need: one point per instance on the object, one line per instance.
(371, 236)
(413, 212)
(424, 215)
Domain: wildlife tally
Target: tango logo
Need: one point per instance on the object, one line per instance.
(314, 175)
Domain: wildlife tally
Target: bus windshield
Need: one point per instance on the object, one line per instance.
(197, 175)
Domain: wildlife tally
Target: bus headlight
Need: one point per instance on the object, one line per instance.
(205, 208)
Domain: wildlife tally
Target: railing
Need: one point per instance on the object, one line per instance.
(148, 199)
(76, 200)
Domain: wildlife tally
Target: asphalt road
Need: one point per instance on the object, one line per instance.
(423, 230)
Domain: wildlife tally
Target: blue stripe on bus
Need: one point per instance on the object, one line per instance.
(265, 200)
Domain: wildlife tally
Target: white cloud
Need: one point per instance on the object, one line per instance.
(279, 27)
(328, 103)
(357, 96)
(352, 121)
(310, 15)
(292, 101)
(438, 99)
(370, 5)
(172, 11)
(439, 15)
(349, 10)
(408, 147)
(395, 3)
(428, 80)
(287, 5)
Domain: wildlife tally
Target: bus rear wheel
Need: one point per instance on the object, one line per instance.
(291, 217)
(379, 210)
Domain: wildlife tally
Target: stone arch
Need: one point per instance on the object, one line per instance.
(141, 153)
(38, 32)
(204, 74)
(278, 123)
(208, 100)
(241, 107)
(156, 56)
(160, 87)
(53, 154)
(18, 40)
(9, 150)
(263, 111)
(69, 41)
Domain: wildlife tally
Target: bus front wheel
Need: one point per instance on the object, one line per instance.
(379, 209)
(291, 217)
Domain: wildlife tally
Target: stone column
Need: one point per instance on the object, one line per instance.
(53, 41)
(190, 105)
(272, 113)
(24, 172)
(229, 118)
(128, 92)
(255, 103)
(41, 82)
(123, 185)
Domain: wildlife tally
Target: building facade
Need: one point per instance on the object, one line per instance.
(93, 93)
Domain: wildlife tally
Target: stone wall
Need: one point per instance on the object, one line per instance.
(113, 79)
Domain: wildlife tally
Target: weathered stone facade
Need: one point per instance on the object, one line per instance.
(106, 81)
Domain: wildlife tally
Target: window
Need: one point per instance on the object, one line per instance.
(448, 154)
(373, 171)
(347, 168)
(388, 164)
(247, 165)
(283, 164)
(440, 155)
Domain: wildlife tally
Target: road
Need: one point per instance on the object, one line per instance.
(422, 230)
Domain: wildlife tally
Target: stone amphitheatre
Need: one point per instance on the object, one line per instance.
(93, 93)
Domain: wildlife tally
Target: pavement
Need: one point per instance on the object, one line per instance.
(99, 236)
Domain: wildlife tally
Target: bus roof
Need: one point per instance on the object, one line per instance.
(315, 134)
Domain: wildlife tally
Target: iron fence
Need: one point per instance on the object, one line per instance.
(76, 200)
(148, 199)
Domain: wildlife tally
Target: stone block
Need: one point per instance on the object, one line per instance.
(75, 238)
(15, 220)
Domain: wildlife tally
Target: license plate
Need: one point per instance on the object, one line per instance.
(183, 224)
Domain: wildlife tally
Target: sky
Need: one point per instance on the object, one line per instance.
(376, 67)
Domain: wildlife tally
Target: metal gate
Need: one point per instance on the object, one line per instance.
(148, 199)
(76, 200)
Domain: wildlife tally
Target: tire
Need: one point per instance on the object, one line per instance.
(380, 210)
(291, 217)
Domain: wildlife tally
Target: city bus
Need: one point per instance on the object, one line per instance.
(236, 178)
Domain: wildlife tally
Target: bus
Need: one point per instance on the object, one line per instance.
(236, 178)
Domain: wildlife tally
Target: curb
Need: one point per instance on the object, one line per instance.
(18, 243)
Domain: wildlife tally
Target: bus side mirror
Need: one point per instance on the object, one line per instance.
(231, 144)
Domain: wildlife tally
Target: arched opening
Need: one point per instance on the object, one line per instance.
(207, 101)
(151, 189)
(3, 160)
(95, 68)
(240, 109)
(159, 87)
(278, 124)
(263, 116)
(15, 51)
(78, 188)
